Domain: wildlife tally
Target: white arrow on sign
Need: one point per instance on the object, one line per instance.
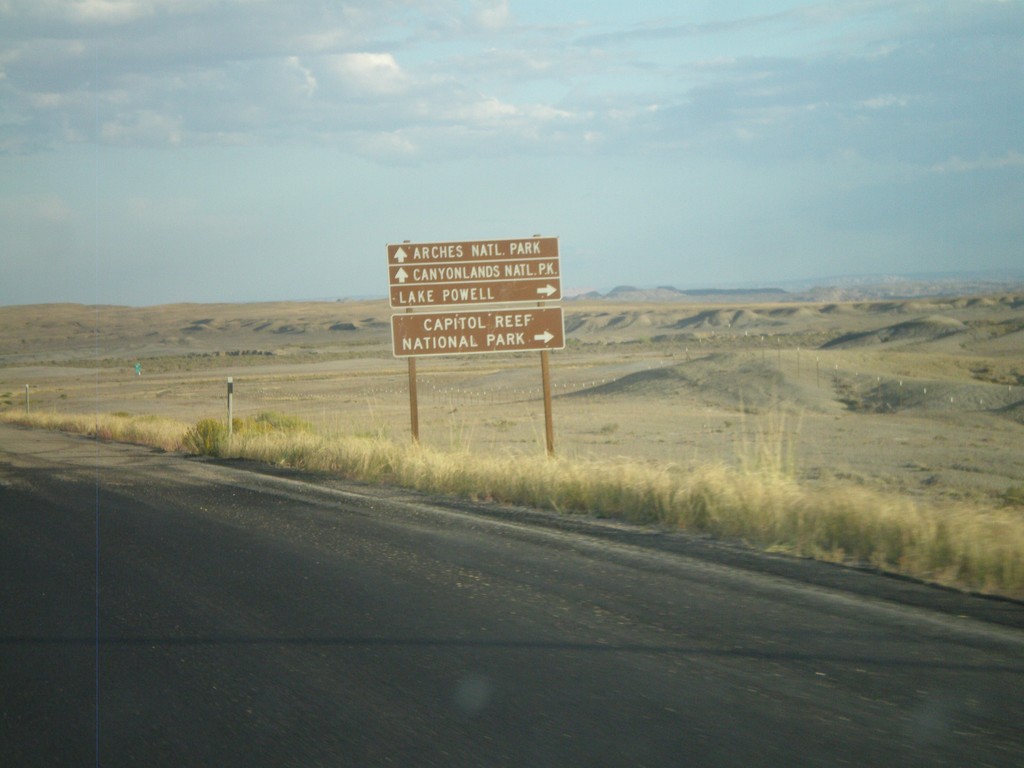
(401, 275)
(401, 255)
(546, 337)
(548, 290)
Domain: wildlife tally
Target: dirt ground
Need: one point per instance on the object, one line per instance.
(923, 396)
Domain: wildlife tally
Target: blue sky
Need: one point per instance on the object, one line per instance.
(156, 151)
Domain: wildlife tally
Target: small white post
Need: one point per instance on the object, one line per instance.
(231, 392)
(26, 399)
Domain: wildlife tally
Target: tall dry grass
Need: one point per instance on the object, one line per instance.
(761, 502)
(154, 431)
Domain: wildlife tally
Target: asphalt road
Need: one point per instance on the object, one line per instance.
(163, 611)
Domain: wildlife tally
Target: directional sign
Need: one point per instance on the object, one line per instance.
(477, 331)
(489, 292)
(476, 250)
(477, 272)
(410, 275)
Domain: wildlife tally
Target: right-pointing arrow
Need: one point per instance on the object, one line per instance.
(546, 337)
(548, 290)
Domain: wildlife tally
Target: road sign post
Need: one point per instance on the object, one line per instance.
(414, 409)
(459, 286)
(549, 422)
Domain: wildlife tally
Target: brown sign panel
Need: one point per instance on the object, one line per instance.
(477, 331)
(445, 274)
(473, 251)
(485, 292)
(476, 272)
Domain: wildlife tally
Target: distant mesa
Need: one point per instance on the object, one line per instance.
(631, 293)
(740, 292)
(836, 290)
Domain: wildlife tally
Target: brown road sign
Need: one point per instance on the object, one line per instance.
(409, 275)
(485, 292)
(476, 272)
(477, 331)
(474, 250)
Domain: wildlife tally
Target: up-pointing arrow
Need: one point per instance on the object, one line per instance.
(401, 255)
(401, 275)
(548, 290)
(546, 337)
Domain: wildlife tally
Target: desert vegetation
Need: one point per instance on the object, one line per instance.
(760, 502)
(155, 431)
(880, 433)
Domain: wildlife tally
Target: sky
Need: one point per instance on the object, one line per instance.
(162, 151)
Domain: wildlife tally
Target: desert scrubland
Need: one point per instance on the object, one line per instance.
(917, 399)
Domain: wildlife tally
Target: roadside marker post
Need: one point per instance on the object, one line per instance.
(473, 283)
(26, 400)
(231, 393)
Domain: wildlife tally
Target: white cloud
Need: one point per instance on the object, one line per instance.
(632, 112)
(375, 73)
(956, 164)
(493, 14)
(144, 127)
(307, 82)
(41, 209)
(388, 146)
(489, 110)
(258, 71)
(88, 11)
(325, 40)
(153, 208)
(882, 102)
(508, 123)
(109, 10)
(47, 100)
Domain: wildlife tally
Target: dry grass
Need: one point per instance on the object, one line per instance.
(761, 502)
(154, 431)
